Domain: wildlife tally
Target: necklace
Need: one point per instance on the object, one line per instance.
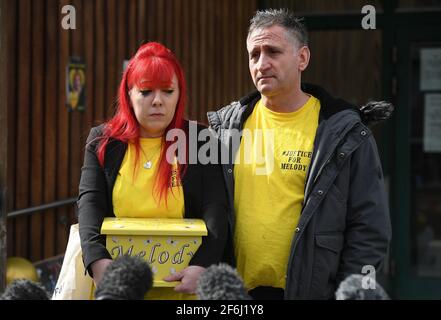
(149, 164)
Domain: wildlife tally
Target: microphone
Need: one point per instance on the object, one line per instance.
(352, 289)
(221, 282)
(126, 278)
(24, 289)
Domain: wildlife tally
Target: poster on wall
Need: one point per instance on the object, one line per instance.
(430, 69)
(76, 85)
(432, 122)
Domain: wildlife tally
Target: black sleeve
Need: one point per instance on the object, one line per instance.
(214, 213)
(92, 205)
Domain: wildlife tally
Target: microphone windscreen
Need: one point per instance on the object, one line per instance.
(24, 289)
(126, 278)
(358, 287)
(221, 282)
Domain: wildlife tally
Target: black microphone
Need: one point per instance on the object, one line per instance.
(126, 278)
(353, 288)
(221, 282)
(24, 289)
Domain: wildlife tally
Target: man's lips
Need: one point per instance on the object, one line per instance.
(264, 78)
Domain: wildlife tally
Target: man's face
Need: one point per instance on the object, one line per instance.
(275, 60)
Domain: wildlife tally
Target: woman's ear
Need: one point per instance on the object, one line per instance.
(129, 100)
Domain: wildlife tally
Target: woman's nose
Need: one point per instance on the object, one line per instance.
(157, 99)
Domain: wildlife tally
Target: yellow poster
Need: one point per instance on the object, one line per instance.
(76, 86)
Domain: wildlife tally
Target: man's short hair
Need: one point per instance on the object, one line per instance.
(282, 17)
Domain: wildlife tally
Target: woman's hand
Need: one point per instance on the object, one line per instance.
(98, 269)
(189, 279)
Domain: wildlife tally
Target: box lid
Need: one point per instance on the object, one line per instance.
(144, 226)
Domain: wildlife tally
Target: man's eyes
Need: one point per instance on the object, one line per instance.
(254, 55)
(270, 51)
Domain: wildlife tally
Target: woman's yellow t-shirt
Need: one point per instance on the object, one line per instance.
(134, 196)
(133, 193)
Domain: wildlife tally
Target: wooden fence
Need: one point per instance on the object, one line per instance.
(43, 148)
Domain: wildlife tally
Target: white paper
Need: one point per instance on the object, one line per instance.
(432, 122)
(430, 71)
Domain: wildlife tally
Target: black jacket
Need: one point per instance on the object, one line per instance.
(344, 223)
(204, 196)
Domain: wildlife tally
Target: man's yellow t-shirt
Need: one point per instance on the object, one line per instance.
(134, 196)
(270, 173)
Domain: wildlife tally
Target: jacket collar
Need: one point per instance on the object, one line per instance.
(329, 104)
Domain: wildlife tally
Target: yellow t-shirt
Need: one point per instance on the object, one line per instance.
(133, 196)
(270, 173)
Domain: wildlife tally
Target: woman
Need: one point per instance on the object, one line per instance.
(126, 172)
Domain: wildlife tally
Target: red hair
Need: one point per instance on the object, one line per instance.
(154, 66)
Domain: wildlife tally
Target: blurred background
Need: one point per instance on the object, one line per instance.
(44, 125)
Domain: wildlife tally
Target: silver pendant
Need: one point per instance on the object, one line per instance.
(147, 165)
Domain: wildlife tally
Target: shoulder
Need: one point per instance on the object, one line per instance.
(232, 112)
(96, 132)
(219, 117)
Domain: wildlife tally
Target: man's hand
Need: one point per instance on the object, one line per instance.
(189, 279)
(98, 269)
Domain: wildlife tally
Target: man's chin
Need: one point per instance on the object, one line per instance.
(265, 90)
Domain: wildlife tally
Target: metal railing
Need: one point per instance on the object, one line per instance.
(32, 210)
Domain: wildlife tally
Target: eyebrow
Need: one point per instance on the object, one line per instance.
(266, 46)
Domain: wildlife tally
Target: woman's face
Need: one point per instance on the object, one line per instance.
(154, 108)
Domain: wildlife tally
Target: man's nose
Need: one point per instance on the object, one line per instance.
(263, 64)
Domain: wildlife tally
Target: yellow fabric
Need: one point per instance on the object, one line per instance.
(133, 196)
(268, 206)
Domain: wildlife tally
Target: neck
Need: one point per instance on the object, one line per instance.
(289, 102)
(144, 134)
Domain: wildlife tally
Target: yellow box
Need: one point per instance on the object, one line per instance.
(166, 244)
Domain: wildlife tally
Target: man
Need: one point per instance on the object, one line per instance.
(320, 212)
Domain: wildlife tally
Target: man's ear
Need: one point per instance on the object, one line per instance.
(304, 55)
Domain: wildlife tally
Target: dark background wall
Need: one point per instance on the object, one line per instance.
(43, 150)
